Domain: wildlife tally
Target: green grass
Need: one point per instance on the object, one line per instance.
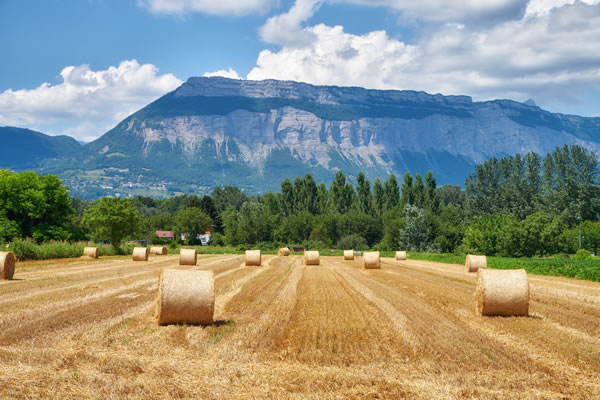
(552, 266)
(30, 250)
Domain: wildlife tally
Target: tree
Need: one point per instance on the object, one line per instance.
(192, 221)
(207, 204)
(228, 196)
(340, 194)
(112, 219)
(408, 196)
(364, 198)
(391, 193)
(416, 235)
(34, 206)
(591, 233)
(378, 197)
(287, 197)
(432, 200)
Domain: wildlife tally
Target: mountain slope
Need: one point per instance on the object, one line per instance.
(25, 149)
(216, 131)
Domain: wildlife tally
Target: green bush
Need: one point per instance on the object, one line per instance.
(582, 254)
(352, 242)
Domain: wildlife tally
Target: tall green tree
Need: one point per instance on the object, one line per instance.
(340, 194)
(378, 197)
(287, 197)
(432, 200)
(408, 196)
(419, 191)
(112, 219)
(391, 193)
(364, 197)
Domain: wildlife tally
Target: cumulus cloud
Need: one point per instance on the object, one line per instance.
(549, 57)
(230, 73)
(220, 7)
(285, 28)
(87, 102)
(543, 7)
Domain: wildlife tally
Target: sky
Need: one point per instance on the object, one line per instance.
(78, 67)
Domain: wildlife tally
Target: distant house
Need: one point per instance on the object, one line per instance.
(203, 238)
(165, 235)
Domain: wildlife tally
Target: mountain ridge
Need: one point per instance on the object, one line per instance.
(216, 131)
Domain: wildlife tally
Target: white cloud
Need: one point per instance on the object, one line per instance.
(285, 28)
(220, 7)
(87, 102)
(549, 58)
(230, 73)
(543, 7)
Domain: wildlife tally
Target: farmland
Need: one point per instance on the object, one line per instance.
(86, 329)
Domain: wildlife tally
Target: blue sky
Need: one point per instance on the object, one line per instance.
(79, 66)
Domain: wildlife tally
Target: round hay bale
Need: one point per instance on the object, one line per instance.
(502, 292)
(371, 260)
(253, 257)
(91, 252)
(185, 296)
(188, 257)
(284, 251)
(140, 254)
(348, 254)
(474, 263)
(401, 255)
(7, 265)
(159, 250)
(312, 258)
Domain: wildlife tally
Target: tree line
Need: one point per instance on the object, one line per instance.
(521, 205)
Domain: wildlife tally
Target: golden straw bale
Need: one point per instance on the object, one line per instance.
(185, 296)
(7, 265)
(474, 263)
(401, 255)
(188, 256)
(502, 292)
(140, 254)
(312, 258)
(371, 260)
(348, 254)
(253, 257)
(91, 252)
(284, 251)
(159, 250)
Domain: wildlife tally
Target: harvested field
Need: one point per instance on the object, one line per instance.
(86, 329)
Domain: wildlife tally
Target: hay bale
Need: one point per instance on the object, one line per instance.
(253, 257)
(284, 251)
(7, 265)
(185, 296)
(140, 254)
(474, 263)
(502, 292)
(188, 257)
(348, 254)
(159, 250)
(401, 255)
(312, 258)
(371, 260)
(91, 252)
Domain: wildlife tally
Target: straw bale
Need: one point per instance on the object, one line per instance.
(284, 251)
(253, 257)
(474, 263)
(140, 254)
(348, 254)
(312, 258)
(188, 257)
(401, 255)
(7, 265)
(371, 260)
(91, 252)
(185, 296)
(502, 292)
(159, 250)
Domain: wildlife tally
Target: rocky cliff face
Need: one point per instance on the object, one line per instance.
(213, 131)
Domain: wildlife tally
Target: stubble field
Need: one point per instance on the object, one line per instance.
(86, 329)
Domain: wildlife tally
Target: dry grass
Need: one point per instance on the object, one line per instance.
(86, 329)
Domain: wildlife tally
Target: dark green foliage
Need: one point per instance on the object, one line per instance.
(33, 206)
(191, 221)
(352, 242)
(112, 219)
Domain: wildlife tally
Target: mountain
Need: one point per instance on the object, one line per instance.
(26, 149)
(253, 134)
